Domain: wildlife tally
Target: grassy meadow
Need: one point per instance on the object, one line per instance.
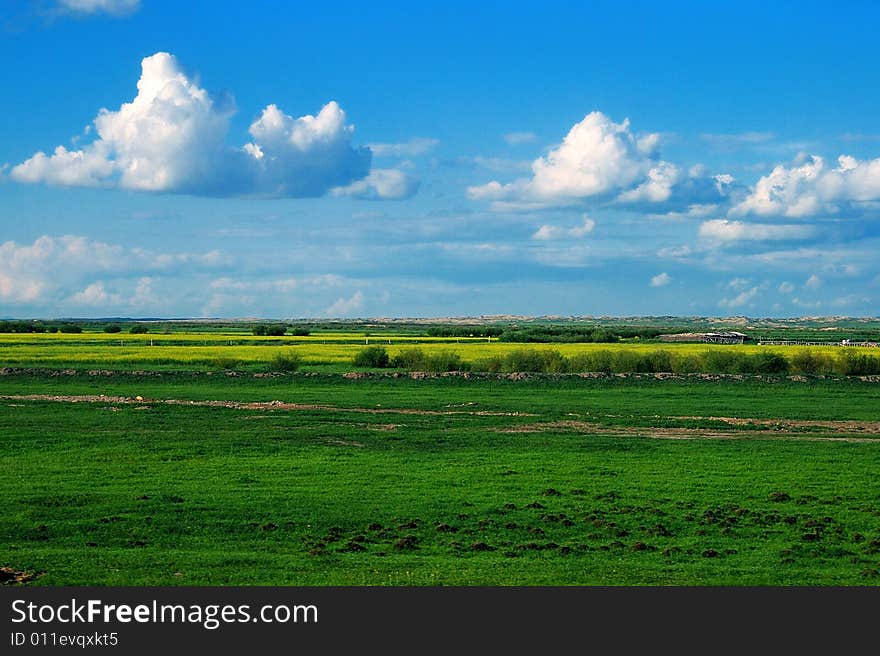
(123, 467)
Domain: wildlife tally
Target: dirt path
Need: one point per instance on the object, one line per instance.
(783, 429)
(838, 431)
(866, 427)
(256, 405)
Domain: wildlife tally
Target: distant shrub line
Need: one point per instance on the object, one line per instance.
(545, 334)
(847, 362)
(279, 329)
(38, 327)
(551, 334)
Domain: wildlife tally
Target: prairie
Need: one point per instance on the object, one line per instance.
(323, 480)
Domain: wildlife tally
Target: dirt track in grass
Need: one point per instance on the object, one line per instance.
(726, 428)
(258, 405)
(781, 429)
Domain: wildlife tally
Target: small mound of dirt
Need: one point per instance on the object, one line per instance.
(481, 546)
(10, 576)
(406, 543)
(529, 546)
(659, 530)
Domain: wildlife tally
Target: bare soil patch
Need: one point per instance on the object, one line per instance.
(11, 576)
(841, 431)
(256, 405)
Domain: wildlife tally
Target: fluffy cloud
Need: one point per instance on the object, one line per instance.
(658, 186)
(726, 231)
(172, 138)
(412, 148)
(675, 252)
(381, 184)
(552, 233)
(113, 7)
(346, 306)
(95, 295)
(786, 287)
(661, 280)
(597, 157)
(670, 194)
(810, 187)
(123, 294)
(602, 160)
(47, 268)
(306, 156)
(740, 299)
(813, 282)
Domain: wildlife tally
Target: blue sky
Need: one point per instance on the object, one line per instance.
(271, 159)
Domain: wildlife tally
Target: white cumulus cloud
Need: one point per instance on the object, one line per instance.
(661, 280)
(346, 306)
(810, 187)
(552, 233)
(740, 299)
(95, 295)
(597, 157)
(658, 186)
(381, 184)
(172, 137)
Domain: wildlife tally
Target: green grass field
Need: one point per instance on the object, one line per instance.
(393, 481)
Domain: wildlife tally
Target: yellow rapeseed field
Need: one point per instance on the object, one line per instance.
(194, 348)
